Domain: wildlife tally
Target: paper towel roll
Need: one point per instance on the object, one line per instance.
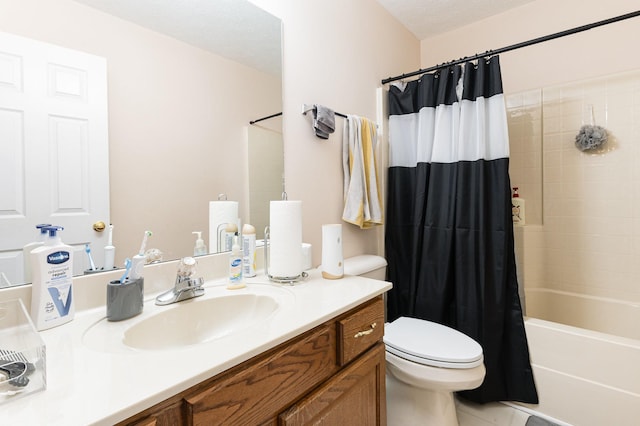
(285, 229)
(332, 260)
(220, 212)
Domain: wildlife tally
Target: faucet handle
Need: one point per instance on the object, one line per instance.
(196, 282)
(185, 283)
(187, 267)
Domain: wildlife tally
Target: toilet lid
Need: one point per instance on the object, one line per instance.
(430, 343)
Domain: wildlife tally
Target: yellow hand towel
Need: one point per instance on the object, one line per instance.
(362, 200)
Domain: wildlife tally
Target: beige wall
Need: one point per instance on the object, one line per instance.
(335, 54)
(177, 120)
(596, 52)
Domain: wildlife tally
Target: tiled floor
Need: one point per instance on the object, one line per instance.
(497, 414)
(492, 414)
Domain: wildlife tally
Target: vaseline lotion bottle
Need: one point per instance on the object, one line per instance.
(51, 291)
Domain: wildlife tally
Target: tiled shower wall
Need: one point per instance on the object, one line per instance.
(582, 209)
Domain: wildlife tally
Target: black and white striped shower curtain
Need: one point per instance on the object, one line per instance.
(449, 233)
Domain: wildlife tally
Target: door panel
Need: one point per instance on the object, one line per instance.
(54, 152)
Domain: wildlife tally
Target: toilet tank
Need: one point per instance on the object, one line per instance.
(366, 265)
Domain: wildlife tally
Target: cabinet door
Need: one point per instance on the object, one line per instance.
(355, 396)
(261, 391)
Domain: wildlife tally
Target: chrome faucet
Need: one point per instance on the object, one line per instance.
(186, 287)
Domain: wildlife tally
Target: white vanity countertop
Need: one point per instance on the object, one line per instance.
(87, 385)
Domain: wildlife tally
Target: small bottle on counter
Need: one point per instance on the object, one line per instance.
(230, 232)
(200, 248)
(236, 280)
(517, 208)
(248, 250)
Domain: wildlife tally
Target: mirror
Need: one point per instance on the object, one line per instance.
(183, 85)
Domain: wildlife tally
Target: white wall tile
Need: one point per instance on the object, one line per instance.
(589, 202)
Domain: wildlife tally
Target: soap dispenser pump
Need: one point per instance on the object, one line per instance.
(199, 248)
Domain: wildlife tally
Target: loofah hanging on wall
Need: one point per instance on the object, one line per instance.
(591, 136)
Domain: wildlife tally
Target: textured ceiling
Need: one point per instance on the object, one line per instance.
(240, 31)
(234, 29)
(426, 18)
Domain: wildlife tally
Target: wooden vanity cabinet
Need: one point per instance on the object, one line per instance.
(355, 396)
(332, 374)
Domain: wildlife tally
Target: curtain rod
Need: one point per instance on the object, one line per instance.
(280, 113)
(307, 107)
(265, 118)
(516, 46)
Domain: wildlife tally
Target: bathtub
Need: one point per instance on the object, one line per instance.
(584, 377)
(610, 316)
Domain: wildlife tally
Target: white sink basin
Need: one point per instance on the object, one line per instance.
(199, 321)
(213, 316)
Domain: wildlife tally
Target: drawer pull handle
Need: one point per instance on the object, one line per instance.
(366, 332)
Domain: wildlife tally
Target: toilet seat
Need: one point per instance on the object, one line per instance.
(432, 344)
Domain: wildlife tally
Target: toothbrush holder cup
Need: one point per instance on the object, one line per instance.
(124, 300)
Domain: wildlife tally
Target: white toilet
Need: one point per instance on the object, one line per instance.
(426, 362)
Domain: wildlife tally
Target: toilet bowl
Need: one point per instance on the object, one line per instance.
(426, 362)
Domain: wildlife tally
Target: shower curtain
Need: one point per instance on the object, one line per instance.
(449, 233)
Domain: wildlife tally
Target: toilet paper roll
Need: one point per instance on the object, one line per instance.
(285, 229)
(220, 212)
(332, 260)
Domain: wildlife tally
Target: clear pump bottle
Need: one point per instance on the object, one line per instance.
(200, 248)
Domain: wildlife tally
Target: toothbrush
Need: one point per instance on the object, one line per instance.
(87, 249)
(127, 268)
(139, 259)
(147, 234)
(109, 252)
